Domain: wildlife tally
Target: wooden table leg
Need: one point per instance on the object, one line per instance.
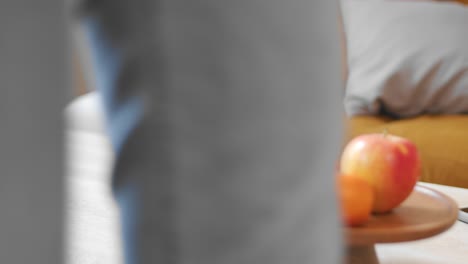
(364, 254)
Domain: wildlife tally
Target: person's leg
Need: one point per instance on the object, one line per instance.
(33, 83)
(226, 119)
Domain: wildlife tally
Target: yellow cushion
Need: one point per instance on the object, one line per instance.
(442, 142)
(462, 1)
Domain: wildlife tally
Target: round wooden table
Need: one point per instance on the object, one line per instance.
(425, 213)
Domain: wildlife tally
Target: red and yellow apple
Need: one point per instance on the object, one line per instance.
(390, 164)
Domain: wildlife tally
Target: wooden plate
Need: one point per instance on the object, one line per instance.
(425, 213)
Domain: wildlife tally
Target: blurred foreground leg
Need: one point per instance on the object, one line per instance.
(33, 82)
(225, 116)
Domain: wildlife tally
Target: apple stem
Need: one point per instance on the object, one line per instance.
(385, 132)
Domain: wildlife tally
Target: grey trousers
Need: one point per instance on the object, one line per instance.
(226, 120)
(33, 80)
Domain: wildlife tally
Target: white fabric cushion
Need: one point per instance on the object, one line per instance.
(86, 114)
(92, 218)
(406, 57)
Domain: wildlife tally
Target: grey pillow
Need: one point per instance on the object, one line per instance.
(406, 58)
